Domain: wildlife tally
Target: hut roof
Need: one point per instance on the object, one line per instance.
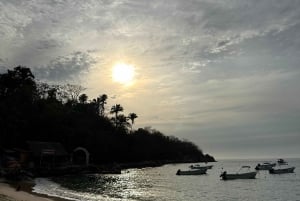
(49, 148)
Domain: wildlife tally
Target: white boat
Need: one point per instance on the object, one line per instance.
(282, 170)
(281, 161)
(197, 166)
(191, 172)
(239, 175)
(265, 166)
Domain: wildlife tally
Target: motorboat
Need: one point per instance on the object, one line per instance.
(265, 166)
(191, 172)
(281, 161)
(197, 166)
(281, 170)
(239, 174)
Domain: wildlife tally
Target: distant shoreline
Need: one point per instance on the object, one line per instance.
(259, 159)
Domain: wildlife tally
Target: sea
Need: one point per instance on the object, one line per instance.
(162, 184)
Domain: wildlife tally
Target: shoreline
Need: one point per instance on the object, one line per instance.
(9, 192)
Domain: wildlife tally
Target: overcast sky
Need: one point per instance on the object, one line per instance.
(224, 74)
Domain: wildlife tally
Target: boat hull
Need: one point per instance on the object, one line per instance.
(201, 167)
(265, 166)
(191, 172)
(248, 175)
(281, 161)
(282, 171)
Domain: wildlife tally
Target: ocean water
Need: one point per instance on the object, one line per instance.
(161, 183)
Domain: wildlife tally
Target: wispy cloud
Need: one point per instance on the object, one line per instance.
(66, 68)
(199, 62)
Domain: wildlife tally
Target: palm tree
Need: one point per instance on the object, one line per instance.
(115, 109)
(99, 104)
(101, 100)
(122, 121)
(132, 117)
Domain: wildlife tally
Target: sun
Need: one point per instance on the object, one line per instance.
(123, 73)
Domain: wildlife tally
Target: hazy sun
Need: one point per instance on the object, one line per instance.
(123, 73)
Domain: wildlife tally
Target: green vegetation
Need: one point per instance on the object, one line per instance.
(62, 113)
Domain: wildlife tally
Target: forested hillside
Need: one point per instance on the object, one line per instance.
(30, 110)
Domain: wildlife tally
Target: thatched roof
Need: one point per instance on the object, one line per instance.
(49, 148)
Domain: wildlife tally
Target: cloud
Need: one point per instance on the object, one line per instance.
(64, 68)
(48, 44)
(214, 64)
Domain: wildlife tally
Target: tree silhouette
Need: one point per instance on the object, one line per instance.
(83, 98)
(42, 89)
(18, 82)
(18, 92)
(132, 117)
(69, 92)
(122, 122)
(115, 109)
(99, 104)
(102, 101)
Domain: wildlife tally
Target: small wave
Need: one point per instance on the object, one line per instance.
(47, 187)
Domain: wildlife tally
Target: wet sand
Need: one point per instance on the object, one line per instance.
(10, 193)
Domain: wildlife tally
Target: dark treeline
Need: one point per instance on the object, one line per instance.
(34, 111)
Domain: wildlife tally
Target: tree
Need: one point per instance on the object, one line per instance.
(83, 98)
(99, 104)
(18, 82)
(115, 109)
(102, 101)
(18, 93)
(121, 121)
(132, 117)
(52, 92)
(42, 89)
(69, 92)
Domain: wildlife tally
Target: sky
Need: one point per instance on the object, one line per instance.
(223, 74)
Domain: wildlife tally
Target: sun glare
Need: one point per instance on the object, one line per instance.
(123, 73)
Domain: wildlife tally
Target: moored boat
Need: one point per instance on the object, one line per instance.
(197, 166)
(281, 161)
(238, 175)
(282, 170)
(265, 166)
(191, 172)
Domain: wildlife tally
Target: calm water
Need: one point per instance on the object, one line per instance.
(161, 183)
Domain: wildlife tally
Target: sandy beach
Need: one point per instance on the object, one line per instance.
(9, 193)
